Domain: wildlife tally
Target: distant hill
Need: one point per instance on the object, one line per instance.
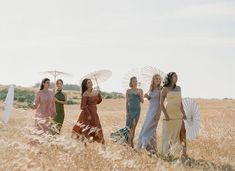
(24, 97)
(73, 87)
(112, 95)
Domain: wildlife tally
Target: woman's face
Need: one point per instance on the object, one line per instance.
(46, 84)
(134, 82)
(157, 80)
(59, 85)
(174, 79)
(89, 84)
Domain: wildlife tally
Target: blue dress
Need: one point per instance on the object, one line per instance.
(147, 137)
(134, 114)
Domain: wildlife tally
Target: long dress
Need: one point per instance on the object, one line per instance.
(88, 124)
(133, 109)
(45, 108)
(147, 137)
(59, 117)
(171, 129)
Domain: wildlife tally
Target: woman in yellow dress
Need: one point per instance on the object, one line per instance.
(173, 131)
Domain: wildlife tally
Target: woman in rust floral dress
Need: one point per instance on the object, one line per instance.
(88, 125)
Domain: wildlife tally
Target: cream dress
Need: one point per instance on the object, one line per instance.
(171, 128)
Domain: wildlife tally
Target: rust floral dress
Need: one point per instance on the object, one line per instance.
(88, 124)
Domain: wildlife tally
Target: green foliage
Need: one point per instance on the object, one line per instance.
(75, 97)
(3, 94)
(22, 96)
(72, 102)
(25, 98)
(112, 95)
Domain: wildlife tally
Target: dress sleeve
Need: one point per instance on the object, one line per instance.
(99, 98)
(37, 100)
(84, 105)
(53, 107)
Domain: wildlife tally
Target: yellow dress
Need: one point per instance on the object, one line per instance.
(171, 128)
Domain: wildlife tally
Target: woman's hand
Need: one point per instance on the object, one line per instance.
(89, 117)
(55, 99)
(61, 102)
(53, 116)
(158, 116)
(167, 117)
(139, 93)
(127, 114)
(33, 106)
(147, 96)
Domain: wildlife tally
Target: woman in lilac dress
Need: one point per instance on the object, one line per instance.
(44, 104)
(147, 137)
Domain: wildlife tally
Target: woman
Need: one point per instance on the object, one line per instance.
(134, 96)
(88, 124)
(60, 101)
(147, 138)
(45, 107)
(173, 126)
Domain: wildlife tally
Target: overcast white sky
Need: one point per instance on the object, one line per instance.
(195, 38)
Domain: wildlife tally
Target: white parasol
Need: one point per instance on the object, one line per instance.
(136, 72)
(149, 71)
(8, 104)
(55, 74)
(98, 76)
(192, 124)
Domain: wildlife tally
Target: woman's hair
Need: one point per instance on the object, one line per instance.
(131, 79)
(168, 80)
(59, 80)
(43, 82)
(152, 82)
(84, 85)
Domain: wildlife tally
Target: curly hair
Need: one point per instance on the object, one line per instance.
(168, 80)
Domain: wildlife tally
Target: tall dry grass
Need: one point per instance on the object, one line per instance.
(214, 149)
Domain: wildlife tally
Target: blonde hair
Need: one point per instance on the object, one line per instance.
(151, 88)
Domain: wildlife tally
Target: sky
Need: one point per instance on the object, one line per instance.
(196, 39)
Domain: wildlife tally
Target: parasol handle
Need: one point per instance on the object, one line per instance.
(97, 84)
(54, 84)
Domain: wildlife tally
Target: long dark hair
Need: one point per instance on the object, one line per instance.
(168, 80)
(84, 85)
(131, 79)
(43, 82)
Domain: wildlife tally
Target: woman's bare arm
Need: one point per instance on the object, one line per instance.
(182, 110)
(141, 95)
(162, 99)
(62, 102)
(159, 109)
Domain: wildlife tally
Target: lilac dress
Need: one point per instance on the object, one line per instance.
(45, 108)
(147, 137)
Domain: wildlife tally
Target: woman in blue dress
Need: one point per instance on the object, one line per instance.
(134, 96)
(147, 137)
